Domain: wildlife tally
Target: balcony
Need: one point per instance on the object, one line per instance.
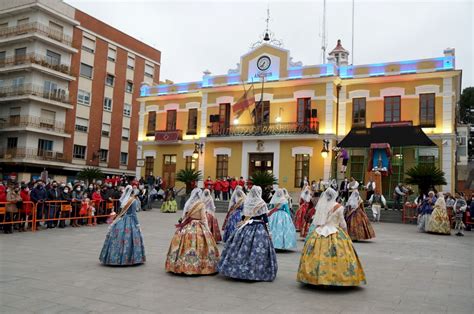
(165, 136)
(15, 122)
(270, 129)
(36, 28)
(34, 58)
(7, 154)
(57, 95)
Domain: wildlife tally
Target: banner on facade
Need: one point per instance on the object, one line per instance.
(168, 136)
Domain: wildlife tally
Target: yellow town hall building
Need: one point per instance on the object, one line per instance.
(410, 105)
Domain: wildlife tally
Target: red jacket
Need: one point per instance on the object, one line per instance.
(208, 184)
(3, 194)
(249, 184)
(25, 196)
(241, 183)
(218, 185)
(96, 198)
(225, 186)
(233, 184)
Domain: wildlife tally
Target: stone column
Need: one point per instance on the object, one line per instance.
(202, 138)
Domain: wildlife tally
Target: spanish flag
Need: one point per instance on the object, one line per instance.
(244, 102)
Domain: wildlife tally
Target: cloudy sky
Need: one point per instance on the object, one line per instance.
(197, 35)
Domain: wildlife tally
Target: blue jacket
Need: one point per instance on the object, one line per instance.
(38, 194)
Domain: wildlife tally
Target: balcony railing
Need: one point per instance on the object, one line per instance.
(30, 153)
(35, 27)
(31, 121)
(168, 136)
(34, 58)
(288, 128)
(59, 95)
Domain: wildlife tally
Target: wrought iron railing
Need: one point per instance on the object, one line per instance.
(30, 153)
(287, 128)
(31, 121)
(34, 58)
(35, 27)
(59, 95)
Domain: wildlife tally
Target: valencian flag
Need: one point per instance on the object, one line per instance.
(244, 102)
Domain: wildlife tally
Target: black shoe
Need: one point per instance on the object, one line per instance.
(62, 227)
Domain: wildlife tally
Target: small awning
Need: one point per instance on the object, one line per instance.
(396, 136)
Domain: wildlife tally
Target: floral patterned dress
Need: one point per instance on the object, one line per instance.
(328, 256)
(439, 221)
(233, 217)
(123, 243)
(193, 250)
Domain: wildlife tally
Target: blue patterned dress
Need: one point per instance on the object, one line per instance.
(249, 253)
(282, 229)
(231, 222)
(123, 244)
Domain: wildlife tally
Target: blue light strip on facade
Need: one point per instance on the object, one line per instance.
(295, 72)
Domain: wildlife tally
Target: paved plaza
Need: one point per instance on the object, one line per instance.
(57, 271)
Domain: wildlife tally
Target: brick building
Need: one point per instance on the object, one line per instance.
(68, 89)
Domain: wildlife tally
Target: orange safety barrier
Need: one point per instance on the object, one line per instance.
(17, 215)
(409, 212)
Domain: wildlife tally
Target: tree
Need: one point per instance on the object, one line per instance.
(89, 174)
(466, 105)
(425, 177)
(188, 177)
(265, 180)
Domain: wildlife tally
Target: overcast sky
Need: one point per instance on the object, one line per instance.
(197, 35)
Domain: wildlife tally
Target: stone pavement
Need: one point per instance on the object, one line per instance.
(57, 271)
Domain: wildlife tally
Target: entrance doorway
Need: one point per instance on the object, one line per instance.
(169, 170)
(260, 162)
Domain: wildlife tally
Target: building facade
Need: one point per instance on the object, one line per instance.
(298, 108)
(68, 90)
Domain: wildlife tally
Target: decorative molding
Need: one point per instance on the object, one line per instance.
(172, 106)
(187, 153)
(149, 153)
(192, 105)
(306, 93)
(225, 100)
(151, 108)
(422, 89)
(222, 151)
(392, 91)
(266, 97)
(302, 150)
(359, 93)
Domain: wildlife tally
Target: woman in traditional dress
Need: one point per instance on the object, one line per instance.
(124, 241)
(169, 205)
(425, 209)
(328, 256)
(211, 215)
(249, 253)
(193, 250)
(305, 200)
(234, 214)
(282, 228)
(358, 224)
(290, 202)
(439, 221)
(308, 217)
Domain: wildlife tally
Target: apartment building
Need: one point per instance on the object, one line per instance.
(68, 89)
(301, 112)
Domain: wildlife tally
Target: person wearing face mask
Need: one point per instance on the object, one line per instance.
(97, 200)
(76, 199)
(54, 209)
(14, 198)
(38, 196)
(27, 209)
(65, 208)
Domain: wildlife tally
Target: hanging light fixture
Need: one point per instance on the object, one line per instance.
(325, 150)
(198, 149)
(278, 119)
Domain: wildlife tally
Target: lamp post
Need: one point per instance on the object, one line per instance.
(198, 150)
(325, 150)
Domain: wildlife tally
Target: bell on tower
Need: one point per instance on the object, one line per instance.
(339, 55)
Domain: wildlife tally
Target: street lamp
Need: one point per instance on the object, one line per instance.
(198, 149)
(325, 150)
(278, 119)
(236, 121)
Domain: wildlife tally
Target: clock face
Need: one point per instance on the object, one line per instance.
(263, 63)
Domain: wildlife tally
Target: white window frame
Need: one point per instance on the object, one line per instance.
(83, 97)
(130, 62)
(83, 75)
(125, 134)
(149, 70)
(127, 110)
(105, 132)
(82, 125)
(108, 105)
(75, 152)
(107, 77)
(112, 54)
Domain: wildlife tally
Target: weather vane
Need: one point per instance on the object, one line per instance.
(268, 37)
